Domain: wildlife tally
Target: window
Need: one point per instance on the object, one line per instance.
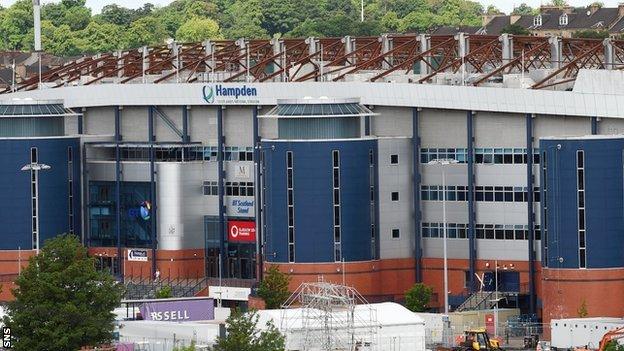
(336, 191)
(537, 21)
(563, 19)
(396, 234)
(371, 180)
(394, 159)
(395, 196)
(291, 206)
(70, 187)
(544, 203)
(580, 186)
(34, 196)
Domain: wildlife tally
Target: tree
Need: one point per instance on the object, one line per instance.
(273, 288)
(591, 34)
(197, 29)
(614, 346)
(244, 19)
(164, 293)
(523, 9)
(493, 10)
(243, 335)
(61, 301)
(77, 18)
(100, 37)
(558, 3)
(582, 310)
(515, 29)
(417, 297)
(146, 31)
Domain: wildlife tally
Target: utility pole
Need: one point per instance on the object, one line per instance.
(362, 11)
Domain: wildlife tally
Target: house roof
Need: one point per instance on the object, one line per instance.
(603, 18)
(496, 25)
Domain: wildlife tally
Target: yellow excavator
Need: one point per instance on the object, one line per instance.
(477, 340)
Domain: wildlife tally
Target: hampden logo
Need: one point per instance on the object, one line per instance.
(234, 93)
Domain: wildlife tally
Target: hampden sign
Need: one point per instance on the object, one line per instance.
(237, 94)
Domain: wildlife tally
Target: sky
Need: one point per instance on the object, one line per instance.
(504, 5)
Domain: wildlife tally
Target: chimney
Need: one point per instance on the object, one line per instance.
(514, 18)
(621, 10)
(593, 8)
(37, 18)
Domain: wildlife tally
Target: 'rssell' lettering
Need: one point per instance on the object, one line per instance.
(236, 92)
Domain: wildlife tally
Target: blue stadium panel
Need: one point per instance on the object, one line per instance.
(313, 201)
(15, 187)
(604, 202)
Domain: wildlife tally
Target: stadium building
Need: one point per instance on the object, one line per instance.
(332, 157)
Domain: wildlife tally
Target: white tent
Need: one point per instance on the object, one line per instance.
(397, 327)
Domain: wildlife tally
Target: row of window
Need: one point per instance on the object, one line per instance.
(481, 193)
(231, 188)
(180, 154)
(371, 180)
(291, 205)
(336, 202)
(70, 187)
(481, 155)
(482, 231)
(580, 199)
(544, 218)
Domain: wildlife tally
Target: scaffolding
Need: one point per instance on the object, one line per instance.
(323, 316)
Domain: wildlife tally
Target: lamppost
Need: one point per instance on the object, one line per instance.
(34, 169)
(444, 162)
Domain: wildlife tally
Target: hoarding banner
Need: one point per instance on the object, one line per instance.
(242, 231)
(178, 311)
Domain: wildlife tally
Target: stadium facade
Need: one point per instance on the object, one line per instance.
(336, 177)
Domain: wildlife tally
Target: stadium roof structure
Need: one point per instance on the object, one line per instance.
(416, 58)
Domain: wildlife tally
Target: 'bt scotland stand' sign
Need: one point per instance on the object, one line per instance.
(236, 94)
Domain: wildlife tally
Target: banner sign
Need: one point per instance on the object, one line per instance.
(178, 311)
(229, 293)
(242, 231)
(137, 255)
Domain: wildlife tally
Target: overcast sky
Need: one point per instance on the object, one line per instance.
(504, 5)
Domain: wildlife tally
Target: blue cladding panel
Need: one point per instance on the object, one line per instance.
(15, 205)
(603, 201)
(313, 200)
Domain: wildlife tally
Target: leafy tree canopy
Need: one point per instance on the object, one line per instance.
(61, 301)
(72, 29)
(417, 297)
(274, 288)
(243, 334)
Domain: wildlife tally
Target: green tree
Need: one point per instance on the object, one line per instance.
(243, 335)
(591, 34)
(493, 10)
(244, 19)
(558, 3)
(146, 31)
(100, 37)
(523, 9)
(191, 347)
(61, 301)
(15, 22)
(197, 29)
(164, 293)
(273, 288)
(582, 310)
(417, 297)
(77, 18)
(614, 346)
(515, 29)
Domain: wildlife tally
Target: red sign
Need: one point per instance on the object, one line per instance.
(242, 231)
(489, 323)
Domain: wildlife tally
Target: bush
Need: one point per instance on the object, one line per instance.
(274, 288)
(164, 293)
(417, 297)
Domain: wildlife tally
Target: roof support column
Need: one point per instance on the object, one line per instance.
(153, 195)
(608, 53)
(530, 213)
(257, 193)
(175, 51)
(555, 52)
(349, 47)
(118, 188)
(416, 192)
(209, 50)
(220, 180)
(386, 46)
(243, 50)
(507, 46)
(279, 62)
(144, 51)
(594, 125)
(471, 201)
(425, 45)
